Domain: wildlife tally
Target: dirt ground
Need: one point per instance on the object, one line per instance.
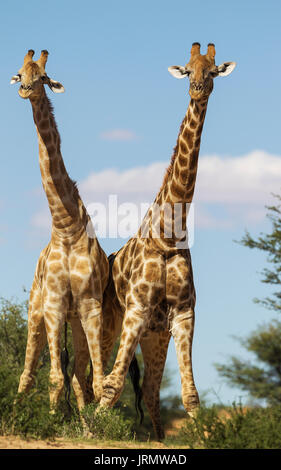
(15, 442)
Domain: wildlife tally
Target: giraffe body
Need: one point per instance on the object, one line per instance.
(72, 270)
(151, 290)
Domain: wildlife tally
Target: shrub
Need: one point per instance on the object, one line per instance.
(107, 423)
(235, 428)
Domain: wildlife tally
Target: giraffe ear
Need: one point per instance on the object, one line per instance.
(178, 71)
(226, 68)
(15, 79)
(56, 87)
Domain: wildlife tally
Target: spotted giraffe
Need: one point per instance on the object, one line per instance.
(72, 270)
(150, 294)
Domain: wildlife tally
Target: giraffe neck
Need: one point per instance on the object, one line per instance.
(169, 222)
(179, 182)
(62, 194)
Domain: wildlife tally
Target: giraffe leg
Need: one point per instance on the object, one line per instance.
(82, 356)
(54, 319)
(182, 327)
(109, 338)
(112, 322)
(36, 341)
(132, 328)
(90, 313)
(154, 346)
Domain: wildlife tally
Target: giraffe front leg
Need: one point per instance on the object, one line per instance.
(182, 327)
(132, 328)
(36, 341)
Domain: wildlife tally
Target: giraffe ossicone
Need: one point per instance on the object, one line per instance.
(151, 295)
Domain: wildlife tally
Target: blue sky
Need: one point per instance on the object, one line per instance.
(121, 112)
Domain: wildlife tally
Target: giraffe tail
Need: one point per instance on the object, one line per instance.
(134, 372)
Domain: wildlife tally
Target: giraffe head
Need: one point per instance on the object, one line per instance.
(201, 71)
(33, 77)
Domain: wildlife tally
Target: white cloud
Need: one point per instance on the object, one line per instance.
(230, 191)
(248, 179)
(141, 183)
(118, 134)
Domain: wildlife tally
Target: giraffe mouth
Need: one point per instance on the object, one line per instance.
(198, 94)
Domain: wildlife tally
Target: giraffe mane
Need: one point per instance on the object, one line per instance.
(51, 108)
(74, 183)
(169, 169)
(175, 152)
(75, 187)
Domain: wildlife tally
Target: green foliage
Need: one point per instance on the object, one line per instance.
(233, 428)
(27, 416)
(107, 424)
(261, 379)
(30, 418)
(271, 244)
(13, 333)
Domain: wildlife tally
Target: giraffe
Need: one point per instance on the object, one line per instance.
(150, 294)
(72, 270)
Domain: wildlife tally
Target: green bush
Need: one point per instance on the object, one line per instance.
(29, 416)
(26, 415)
(233, 428)
(107, 423)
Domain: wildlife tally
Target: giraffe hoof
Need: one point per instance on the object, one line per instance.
(160, 435)
(98, 391)
(87, 434)
(101, 410)
(18, 399)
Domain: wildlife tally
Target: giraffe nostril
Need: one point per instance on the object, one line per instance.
(197, 86)
(26, 87)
